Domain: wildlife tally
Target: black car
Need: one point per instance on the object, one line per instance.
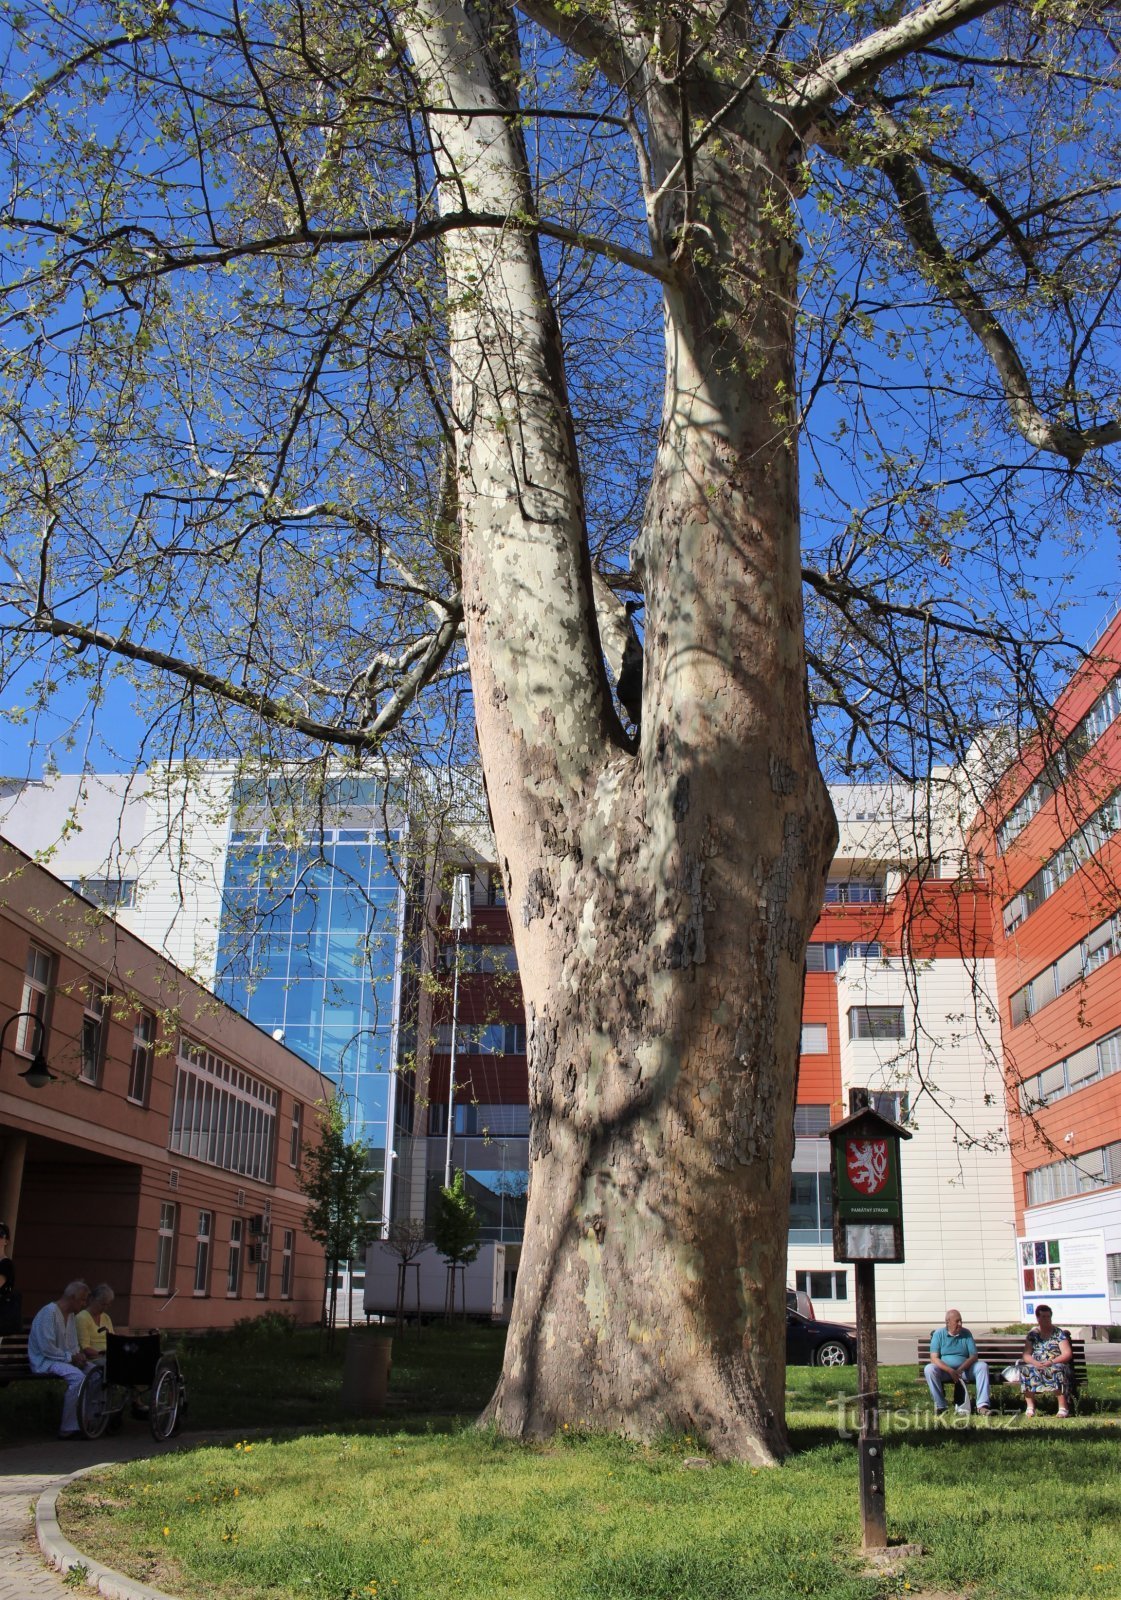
(810, 1343)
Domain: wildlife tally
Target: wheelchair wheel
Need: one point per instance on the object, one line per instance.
(93, 1404)
(163, 1415)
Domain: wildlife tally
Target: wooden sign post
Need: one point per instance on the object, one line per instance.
(868, 1227)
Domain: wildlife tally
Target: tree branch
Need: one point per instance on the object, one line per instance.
(863, 60)
(1040, 431)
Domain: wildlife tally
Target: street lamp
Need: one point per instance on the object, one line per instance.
(38, 1074)
(460, 918)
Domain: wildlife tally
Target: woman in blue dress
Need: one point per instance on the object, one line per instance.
(1047, 1363)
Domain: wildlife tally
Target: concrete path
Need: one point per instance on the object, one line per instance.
(29, 1471)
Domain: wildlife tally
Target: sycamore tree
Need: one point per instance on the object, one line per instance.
(722, 390)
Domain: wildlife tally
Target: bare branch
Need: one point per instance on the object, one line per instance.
(862, 61)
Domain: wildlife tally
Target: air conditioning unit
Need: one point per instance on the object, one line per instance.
(257, 1224)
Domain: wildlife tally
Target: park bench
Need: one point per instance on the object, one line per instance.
(13, 1357)
(1000, 1350)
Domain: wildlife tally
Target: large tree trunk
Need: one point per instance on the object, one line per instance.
(661, 899)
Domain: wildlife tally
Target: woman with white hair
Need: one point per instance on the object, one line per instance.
(94, 1322)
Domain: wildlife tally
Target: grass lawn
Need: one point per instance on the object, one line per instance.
(424, 1507)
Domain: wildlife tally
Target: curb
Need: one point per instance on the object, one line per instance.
(61, 1554)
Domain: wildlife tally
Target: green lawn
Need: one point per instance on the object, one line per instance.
(423, 1507)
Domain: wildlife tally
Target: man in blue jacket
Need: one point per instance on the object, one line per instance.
(953, 1356)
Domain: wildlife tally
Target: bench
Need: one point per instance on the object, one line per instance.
(1000, 1350)
(13, 1357)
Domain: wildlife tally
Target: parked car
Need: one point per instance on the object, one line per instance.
(810, 1343)
(799, 1300)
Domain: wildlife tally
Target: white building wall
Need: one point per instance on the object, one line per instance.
(166, 829)
(1081, 1214)
(959, 1216)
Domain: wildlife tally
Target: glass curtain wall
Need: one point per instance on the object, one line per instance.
(310, 945)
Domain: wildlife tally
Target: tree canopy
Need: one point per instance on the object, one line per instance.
(228, 430)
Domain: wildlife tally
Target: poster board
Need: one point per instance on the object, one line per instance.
(1067, 1272)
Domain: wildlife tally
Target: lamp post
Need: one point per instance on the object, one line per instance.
(38, 1074)
(460, 918)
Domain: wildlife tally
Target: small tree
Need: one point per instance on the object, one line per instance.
(456, 1231)
(335, 1181)
(406, 1240)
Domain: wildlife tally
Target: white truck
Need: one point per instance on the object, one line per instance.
(479, 1287)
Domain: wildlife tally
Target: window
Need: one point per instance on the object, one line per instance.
(823, 1285)
(233, 1268)
(202, 1252)
(95, 1020)
(491, 1039)
(892, 1103)
(1082, 736)
(1093, 1169)
(832, 957)
(286, 1264)
(1077, 850)
(1084, 1066)
(853, 892)
(479, 957)
(811, 1120)
(221, 1114)
(811, 1208)
(815, 1039)
(262, 1269)
(295, 1142)
(38, 974)
(1113, 1268)
(1098, 947)
(143, 1050)
(876, 1022)
(165, 1247)
(477, 1120)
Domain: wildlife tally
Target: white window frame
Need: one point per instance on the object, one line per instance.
(204, 1238)
(165, 1247)
(143, 1055)
(97, 1002)
(38, 978)
(296, 1135)
(234, 1259)
(287, 1262)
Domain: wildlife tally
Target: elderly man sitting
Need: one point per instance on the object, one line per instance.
(52, 1348)
(953, 1355)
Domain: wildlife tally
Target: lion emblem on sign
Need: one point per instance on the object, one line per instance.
(866, 1162)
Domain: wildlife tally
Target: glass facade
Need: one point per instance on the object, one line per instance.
(310, 945)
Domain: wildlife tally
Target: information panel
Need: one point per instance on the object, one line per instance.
(1067, 1272)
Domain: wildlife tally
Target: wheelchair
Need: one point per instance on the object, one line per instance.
(133, 1361)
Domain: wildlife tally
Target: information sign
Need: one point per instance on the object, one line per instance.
(1066, 1271)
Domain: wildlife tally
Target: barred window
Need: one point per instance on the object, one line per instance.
(222, 1115)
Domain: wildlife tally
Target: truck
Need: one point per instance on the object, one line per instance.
(479, 1287)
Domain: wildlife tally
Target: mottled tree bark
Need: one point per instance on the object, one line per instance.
(662, 896)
